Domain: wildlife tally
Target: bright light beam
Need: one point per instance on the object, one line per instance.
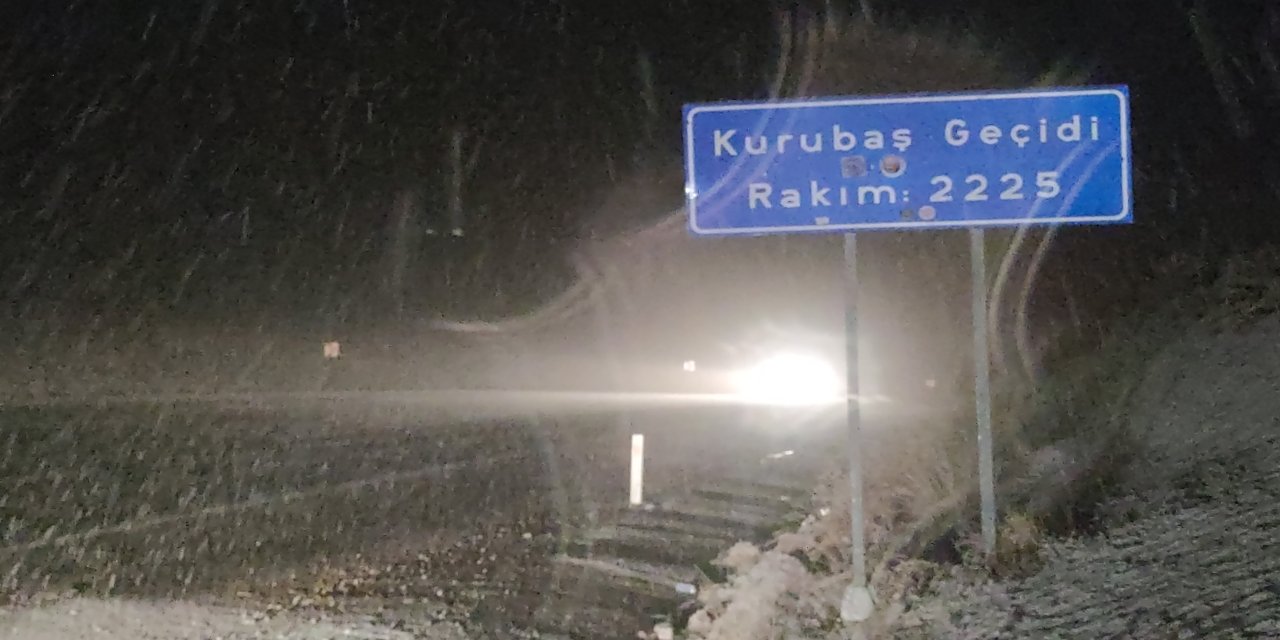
(789, 380)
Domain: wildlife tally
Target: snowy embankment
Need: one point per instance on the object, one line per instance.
(1192, 548)
(1190, 542)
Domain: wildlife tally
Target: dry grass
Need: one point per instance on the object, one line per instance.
(1017, 554)
(1247, 288)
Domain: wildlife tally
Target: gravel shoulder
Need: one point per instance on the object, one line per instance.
(1191, 549)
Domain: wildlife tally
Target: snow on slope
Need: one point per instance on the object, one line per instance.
(1193, 549)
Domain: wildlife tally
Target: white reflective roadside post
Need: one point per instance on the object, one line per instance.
(858, 603)
(332, 350)
(637, 469)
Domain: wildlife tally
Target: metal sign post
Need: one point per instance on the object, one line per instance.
(858, 603)
(982, 389)
(966, 160)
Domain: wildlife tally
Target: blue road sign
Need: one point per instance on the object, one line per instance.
(974, 159)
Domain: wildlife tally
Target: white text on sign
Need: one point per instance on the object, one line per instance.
(977, 189)
(958, 133)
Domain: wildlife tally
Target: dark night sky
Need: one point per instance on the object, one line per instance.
(173, 157)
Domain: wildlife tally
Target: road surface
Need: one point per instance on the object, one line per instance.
(423, 505)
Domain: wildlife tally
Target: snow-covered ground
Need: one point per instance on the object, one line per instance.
(149, 620)
(1193, 549)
